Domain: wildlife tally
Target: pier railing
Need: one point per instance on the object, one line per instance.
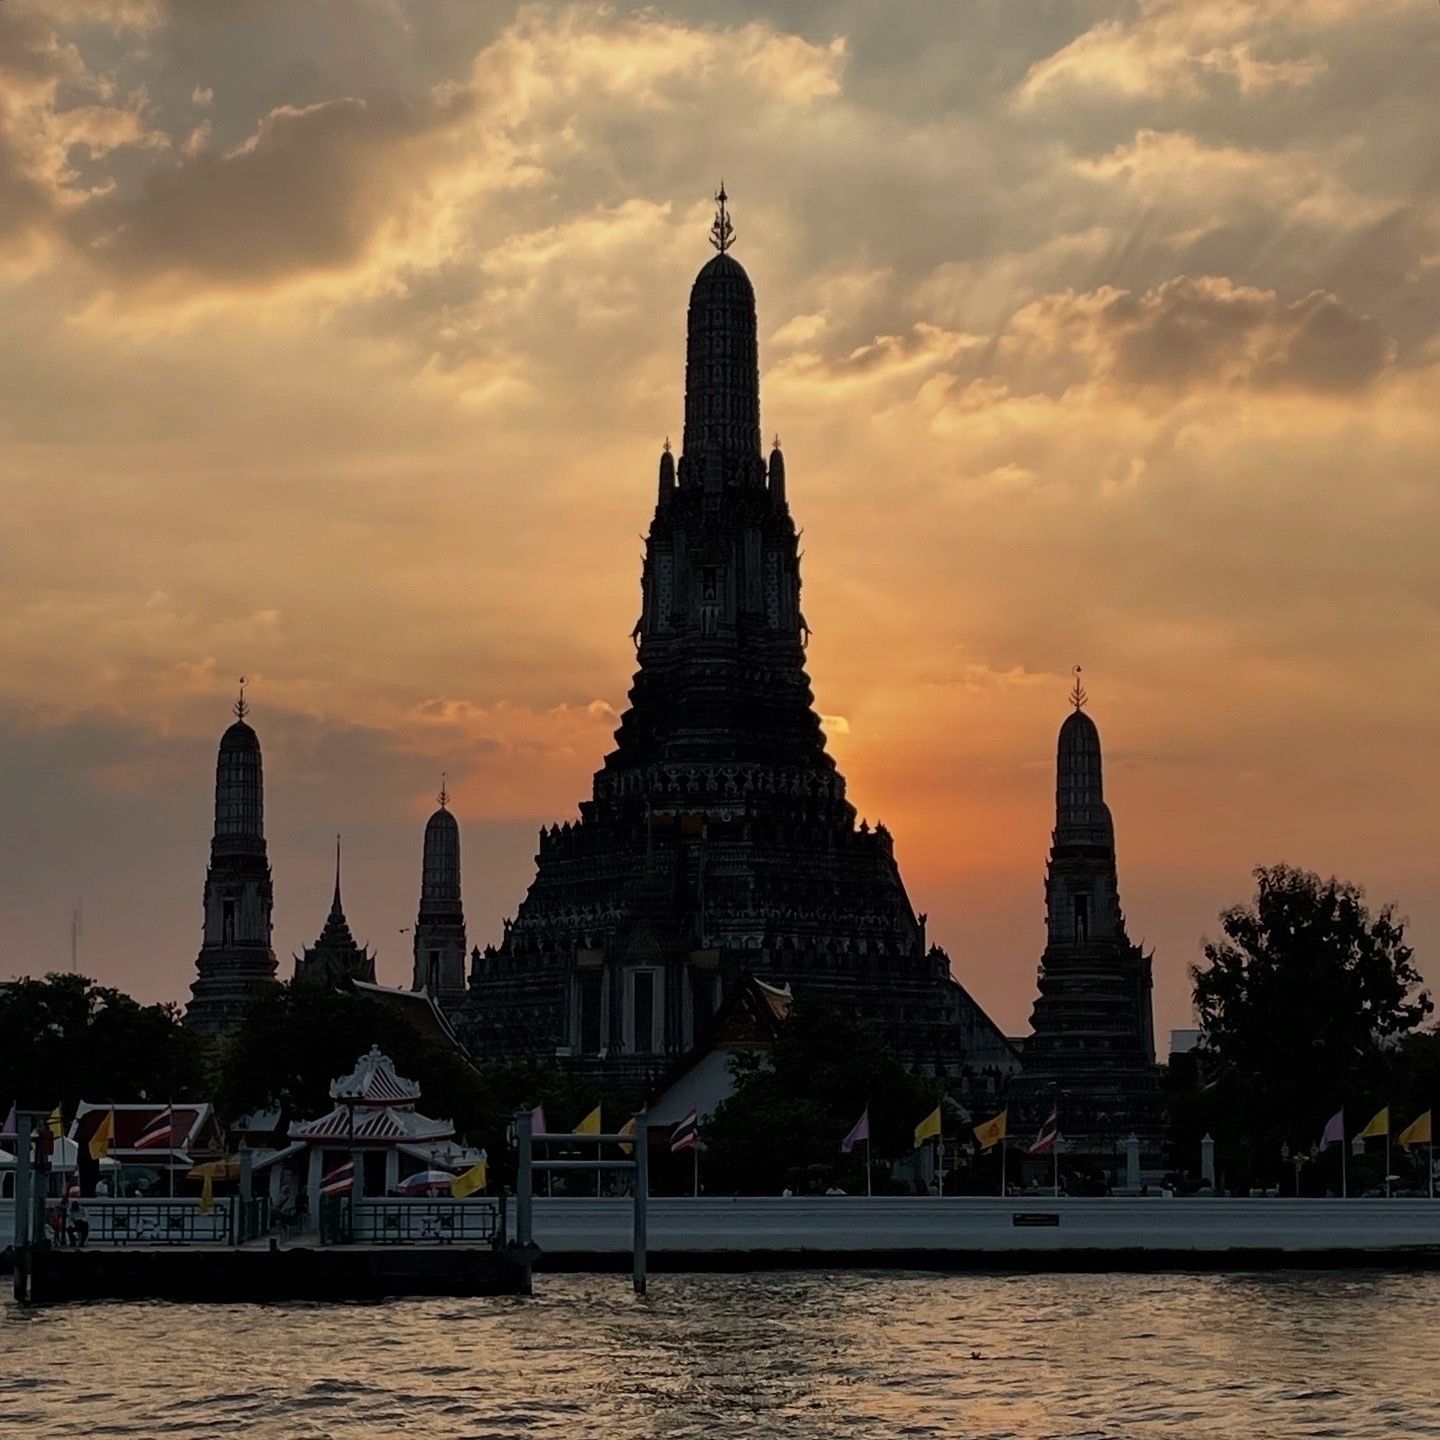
(159, 1222)
(424, 1222)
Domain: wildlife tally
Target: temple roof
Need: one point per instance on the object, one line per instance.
(335, 957)
(374, 1081)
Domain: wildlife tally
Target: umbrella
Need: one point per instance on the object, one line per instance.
(226, 1168)
(427, 1182)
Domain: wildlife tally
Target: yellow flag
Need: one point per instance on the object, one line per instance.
(475, 1178)
(1416, 1133)
(207, 1195)
(56, 1122)
(628, 1128)
(590, 1125)
(104, 1137)
(928, 1128)
(992, 1132)
(1380, 1125)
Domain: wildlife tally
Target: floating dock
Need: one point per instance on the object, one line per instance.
(259, 1274)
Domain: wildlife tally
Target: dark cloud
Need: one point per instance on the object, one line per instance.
(308, 191)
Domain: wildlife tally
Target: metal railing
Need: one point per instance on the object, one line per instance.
(425, 1222)
(335, 1224)
(158, 1222)
(252, 1218)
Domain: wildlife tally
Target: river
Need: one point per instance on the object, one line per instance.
(1272, 1356)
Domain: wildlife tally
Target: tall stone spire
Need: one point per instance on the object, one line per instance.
(440, 924)
(1093, 1030)
(236, 961)
(717, 841)
(335, 958)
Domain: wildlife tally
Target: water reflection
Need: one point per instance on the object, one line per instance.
(812, 1355)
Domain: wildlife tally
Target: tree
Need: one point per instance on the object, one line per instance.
(792, 1107)
(64, 1039)
(296, 1040)
(1300, 1008)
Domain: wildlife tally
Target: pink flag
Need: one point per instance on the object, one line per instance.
(1335, 1130)
(861, 1131)
(11, 1121)
(537, 1120)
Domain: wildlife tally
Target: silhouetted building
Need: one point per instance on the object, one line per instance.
(1092, 1047)
(335, 959)
(235, 961)
(440, 925)
(718, 840)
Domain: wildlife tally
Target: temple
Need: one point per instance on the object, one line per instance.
(1091, 1053)
(718, 841)
(236, 961)
(335, 959)
(440, 924)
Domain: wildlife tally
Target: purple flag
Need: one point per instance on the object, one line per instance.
(537, 1120)
(1335, 1130)
(8, 1129)
(861, 1131)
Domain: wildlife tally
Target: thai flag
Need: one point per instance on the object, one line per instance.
(686, 1135)
(340, 1181)
(1049, 1133)
(157, 1134)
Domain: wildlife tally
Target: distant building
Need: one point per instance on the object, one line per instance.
(1091, 1050)
(335, 959)
(718, 839)
(440, 924)
(236, 961)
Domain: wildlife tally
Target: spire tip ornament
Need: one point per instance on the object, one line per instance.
(722, 232)
(242, 705)
(1078, 697)
(444, 796)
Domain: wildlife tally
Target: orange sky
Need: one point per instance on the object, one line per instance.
(337, 345)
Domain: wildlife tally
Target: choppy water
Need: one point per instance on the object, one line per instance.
(805, 1355)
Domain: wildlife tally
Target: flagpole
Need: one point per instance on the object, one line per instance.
(1387, 1152)
(1003, 1148)
(1344, 1182)
(868, 1192)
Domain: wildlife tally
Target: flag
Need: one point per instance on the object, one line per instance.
(340, 1181)
(858, 1132)
(157, 1133)
(686, 1135)
(207, 1194)
(1334, 1130)
(477, 1177)
(1044, 1142)
(1380, 1125)
(628, 1128)
(928, 1128)
(56, 1123)
(590, 1125)
(992, 1132)
(537, 1121)
(104, 1137)
(1416, 1133)
(11, 1121)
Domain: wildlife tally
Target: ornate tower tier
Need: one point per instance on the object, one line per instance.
(440, 925)
(718, 839)
(1092, 1047)
(235, 960)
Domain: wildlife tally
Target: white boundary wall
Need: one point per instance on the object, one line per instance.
(967, 1224)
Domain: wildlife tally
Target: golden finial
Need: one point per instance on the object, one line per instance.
(444, 795)
(242, 705)
(776, 446)
(722, 232)
(1078, 697)
(666, 446)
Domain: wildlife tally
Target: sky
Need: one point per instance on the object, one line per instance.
(338, 342)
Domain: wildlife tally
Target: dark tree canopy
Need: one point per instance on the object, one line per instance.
(1303, 1007)
(64, 1039)
(793, 1107)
